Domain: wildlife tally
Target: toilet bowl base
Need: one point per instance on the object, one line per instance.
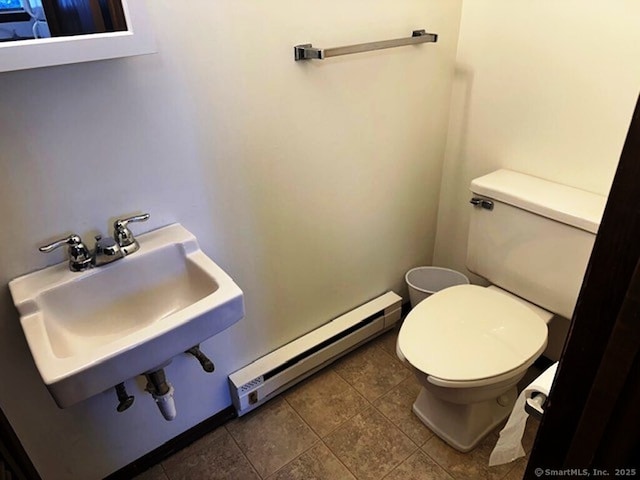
(462, 426)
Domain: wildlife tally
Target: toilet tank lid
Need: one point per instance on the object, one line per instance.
(569, 205)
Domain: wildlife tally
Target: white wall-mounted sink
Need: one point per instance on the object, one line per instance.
(91, 330)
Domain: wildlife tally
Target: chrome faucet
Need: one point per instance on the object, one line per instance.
(106, 250)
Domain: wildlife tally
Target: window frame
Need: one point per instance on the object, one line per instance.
(138, 39)
(13, 14)
(10, 15)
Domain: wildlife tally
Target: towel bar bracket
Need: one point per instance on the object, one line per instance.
(307, 52)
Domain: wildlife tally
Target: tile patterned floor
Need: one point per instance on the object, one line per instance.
(352, 420)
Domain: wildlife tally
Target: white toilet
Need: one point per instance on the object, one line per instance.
(470, 345)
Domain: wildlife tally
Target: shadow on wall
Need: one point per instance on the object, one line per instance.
(457, 162)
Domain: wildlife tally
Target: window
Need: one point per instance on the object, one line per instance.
(10, 5)
(12, 11)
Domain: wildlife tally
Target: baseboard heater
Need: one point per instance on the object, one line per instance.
(265, 378)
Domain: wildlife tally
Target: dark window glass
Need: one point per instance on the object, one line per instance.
(10, 5)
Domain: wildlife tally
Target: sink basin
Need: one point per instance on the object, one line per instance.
(91, 330)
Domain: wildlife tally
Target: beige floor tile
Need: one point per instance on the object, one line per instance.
(371, 371)
(215, 456)
(276, 440)
(272, 436)
(369, 445)
(396, 406)
(387, 341)
(325, 401)
(154, 473)
(418, 467)
(530, 432)
(517, 471)
(473, 465)
(317, 463)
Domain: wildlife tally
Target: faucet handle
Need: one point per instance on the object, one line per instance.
(136, 218)
(79, 255)
(123, 236)
(72, 239)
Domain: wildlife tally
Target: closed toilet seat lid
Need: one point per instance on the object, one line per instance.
(467, 333)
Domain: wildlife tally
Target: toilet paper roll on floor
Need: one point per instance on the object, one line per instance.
(509, 445)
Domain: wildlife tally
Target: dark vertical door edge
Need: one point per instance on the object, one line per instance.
(13, 457)
(592, 398)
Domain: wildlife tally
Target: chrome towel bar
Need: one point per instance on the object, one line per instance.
(308, 52)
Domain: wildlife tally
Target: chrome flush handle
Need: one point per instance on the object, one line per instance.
(482, 203)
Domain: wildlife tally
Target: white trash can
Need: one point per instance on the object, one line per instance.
(424, 281)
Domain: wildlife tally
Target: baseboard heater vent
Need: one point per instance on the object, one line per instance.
(265, 378)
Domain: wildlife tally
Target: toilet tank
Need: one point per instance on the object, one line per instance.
(536, 240)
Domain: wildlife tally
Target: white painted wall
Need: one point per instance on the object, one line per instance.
(545, 88)
(314, 185)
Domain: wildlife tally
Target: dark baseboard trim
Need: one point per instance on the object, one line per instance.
(10, 17)
(406, 308)
(174, 445)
